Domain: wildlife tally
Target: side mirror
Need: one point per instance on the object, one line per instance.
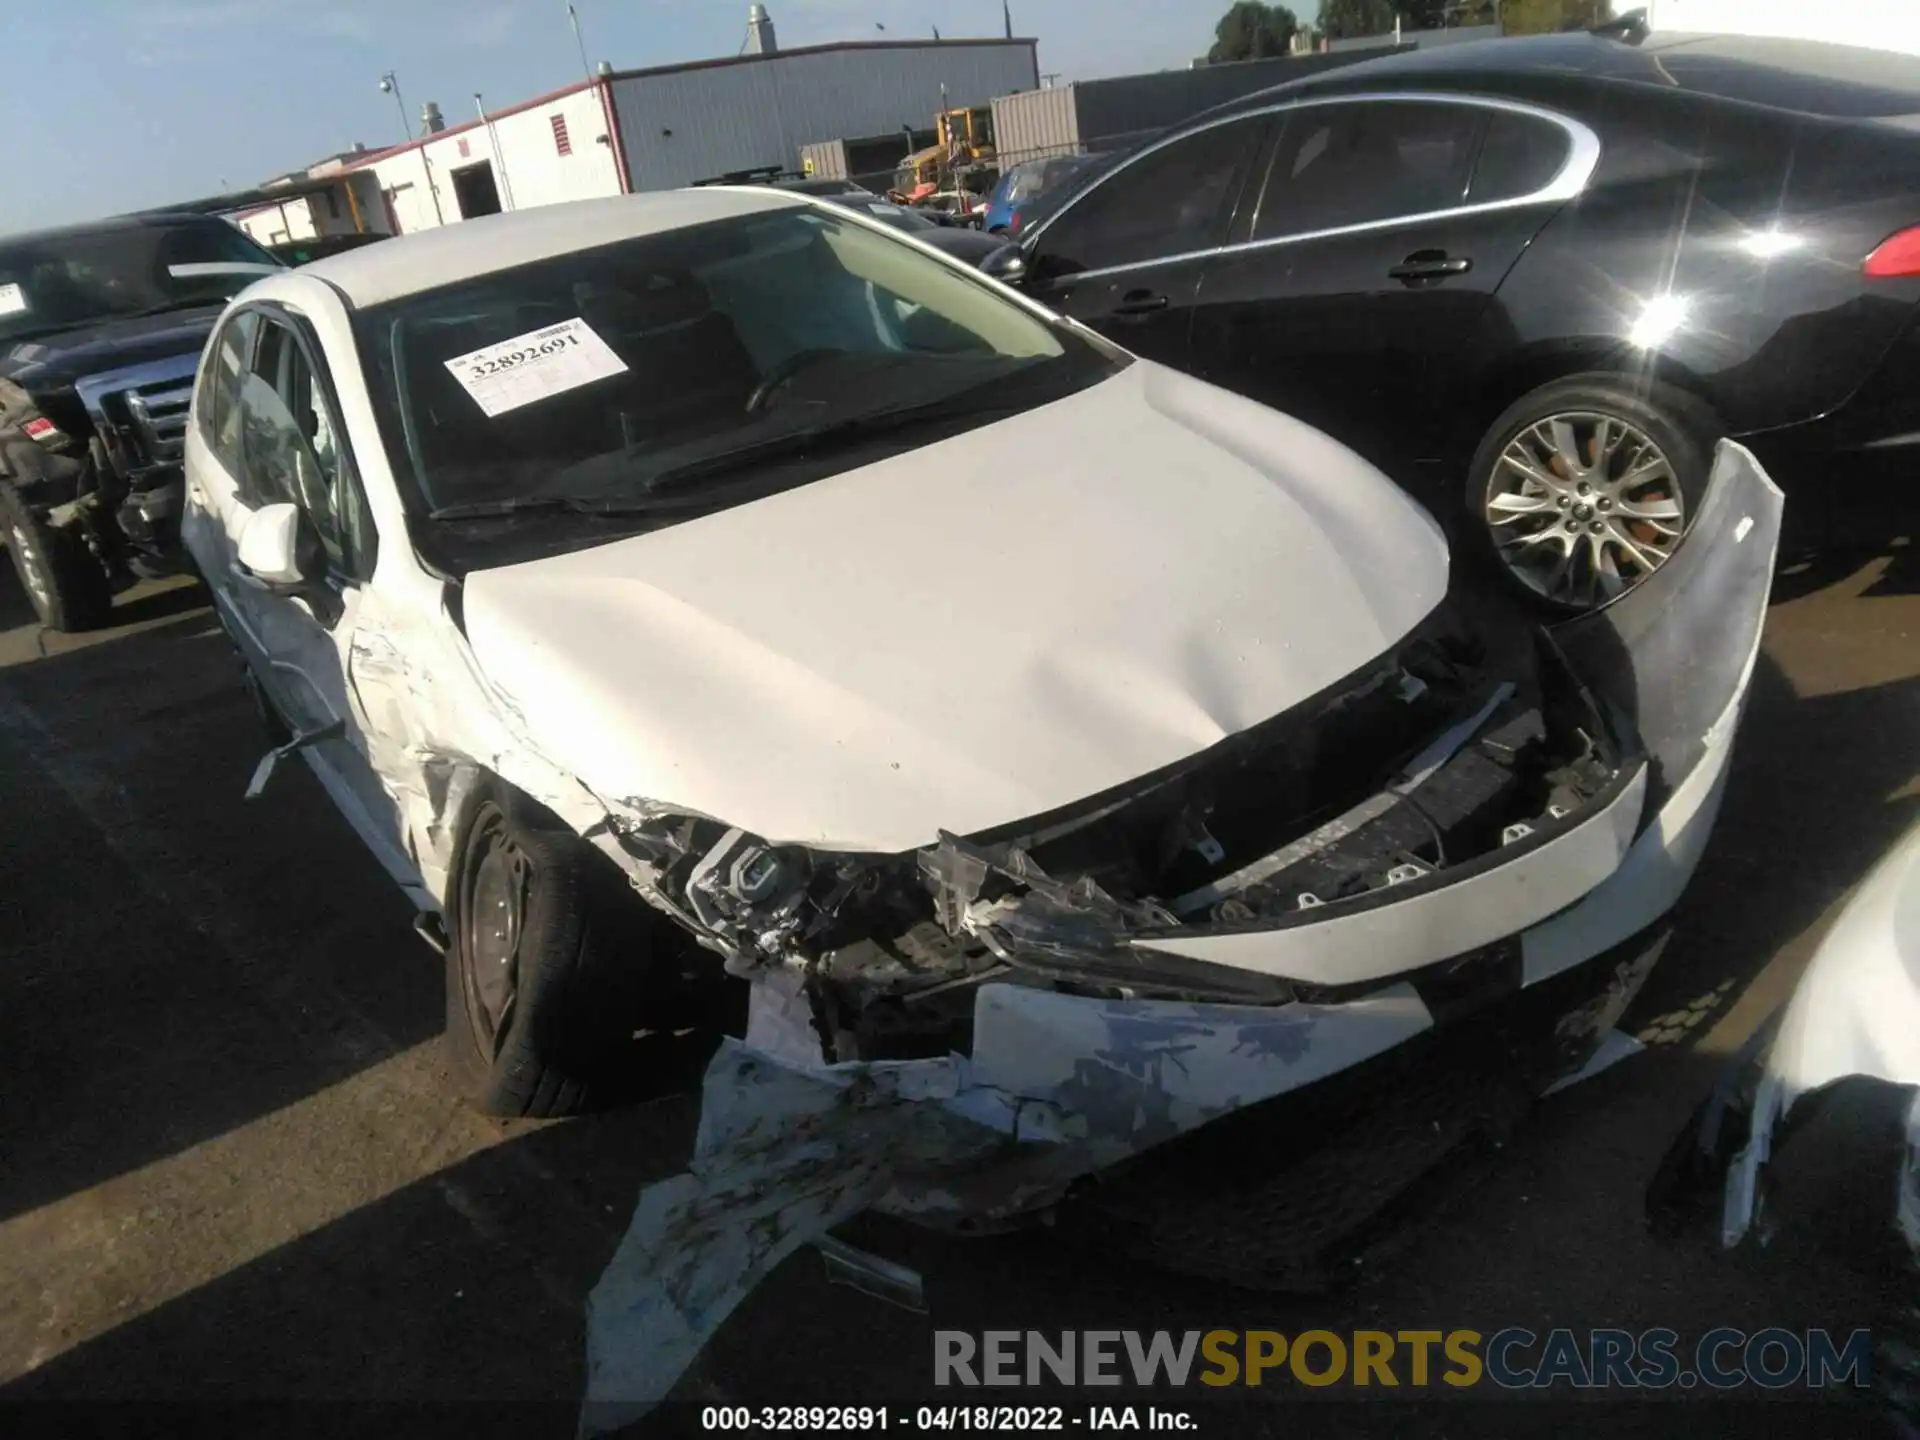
(1008, 265)
(279, 550)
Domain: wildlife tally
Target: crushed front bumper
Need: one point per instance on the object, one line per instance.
(1059, 1086)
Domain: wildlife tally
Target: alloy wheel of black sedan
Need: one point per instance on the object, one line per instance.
(1582, 506)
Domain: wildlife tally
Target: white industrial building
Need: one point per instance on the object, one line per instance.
(1876, 24)
(652, 129)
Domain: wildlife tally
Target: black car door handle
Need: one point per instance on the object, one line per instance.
(1429, 265)
(1140, 302)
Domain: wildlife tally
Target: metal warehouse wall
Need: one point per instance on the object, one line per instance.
(694, 123)
(825, 160)
(1110, 114)
(1038, 123)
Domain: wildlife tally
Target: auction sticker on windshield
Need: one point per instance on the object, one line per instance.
(535, 366)
(12, 300)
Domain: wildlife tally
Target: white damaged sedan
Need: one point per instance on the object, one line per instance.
(710, 595)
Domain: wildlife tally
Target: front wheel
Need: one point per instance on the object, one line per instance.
(555, 971)
(64, 583)
(1585, 487)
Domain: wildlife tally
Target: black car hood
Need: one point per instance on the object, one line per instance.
(962, 243)
(53, 361)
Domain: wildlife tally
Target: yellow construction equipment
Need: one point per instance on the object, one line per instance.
(963, 141)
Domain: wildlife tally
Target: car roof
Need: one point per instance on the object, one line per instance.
(1803, 76)
(409, 264)
(820, 187)
(111, 225)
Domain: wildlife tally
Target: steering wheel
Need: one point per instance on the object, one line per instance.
(784, 372)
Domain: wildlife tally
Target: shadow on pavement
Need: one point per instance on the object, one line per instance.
(178, 961)
(462, 1295)
(465, 1286)
(1803, 574)
(1807, 813)
(157, 604)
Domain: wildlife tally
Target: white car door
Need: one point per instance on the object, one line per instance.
(274, 437)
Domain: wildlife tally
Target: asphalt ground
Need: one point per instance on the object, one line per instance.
(233, 1173)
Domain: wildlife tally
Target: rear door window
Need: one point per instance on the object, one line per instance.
(1171, 201)
(1354, 164)
(1519, 156)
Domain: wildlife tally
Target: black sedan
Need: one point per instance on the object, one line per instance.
(962, 242)
(1537, 279)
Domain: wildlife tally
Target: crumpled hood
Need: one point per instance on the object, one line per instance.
(972, 633)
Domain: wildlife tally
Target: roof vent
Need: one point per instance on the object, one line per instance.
(431, 121)
(760, 39)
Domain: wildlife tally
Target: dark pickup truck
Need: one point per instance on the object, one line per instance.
(101, 329)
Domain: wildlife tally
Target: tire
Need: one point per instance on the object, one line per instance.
(64, 583)
(1630, 510)
(542, 1012)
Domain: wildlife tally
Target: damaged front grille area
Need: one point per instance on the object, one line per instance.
(1428, 764)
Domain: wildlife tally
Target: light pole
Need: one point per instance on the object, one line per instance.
(390, 85)
(493, 144)
(573, 17)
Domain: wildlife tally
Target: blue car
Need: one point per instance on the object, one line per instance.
(1023, 184)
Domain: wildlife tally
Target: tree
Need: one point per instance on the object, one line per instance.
(1252, 31)
(1540, 17)
(1351, 19)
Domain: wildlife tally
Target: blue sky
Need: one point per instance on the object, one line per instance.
(123, 104)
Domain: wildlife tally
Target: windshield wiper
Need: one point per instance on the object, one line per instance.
(774, 447)
(531, 504)
(798, 442)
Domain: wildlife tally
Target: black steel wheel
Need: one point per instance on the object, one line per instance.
(564, 992)
(494, 876)
(66, 586)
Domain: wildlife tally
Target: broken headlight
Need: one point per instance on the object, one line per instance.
(742, 878)
(759, 902)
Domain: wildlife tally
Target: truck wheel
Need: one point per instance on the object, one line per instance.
(554, 968)
(64, 583)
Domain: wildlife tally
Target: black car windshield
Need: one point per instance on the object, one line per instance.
(71, 278)
(684, 372)
(898, 216)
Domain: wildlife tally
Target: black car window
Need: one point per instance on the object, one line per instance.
(220, 379)
(1338, 165)
(1170, 201)
(1519, 155)
(292, 452)
(63, 279)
